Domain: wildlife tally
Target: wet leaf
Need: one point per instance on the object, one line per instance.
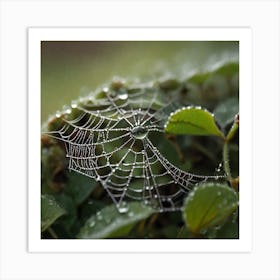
(229, 230)
(50, 211)
(79, 187)
(193, 121)
(226, 111)
(68, 220)
(208, 205)
(109, 223)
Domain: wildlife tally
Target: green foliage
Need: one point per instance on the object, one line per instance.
(195, 140)
(108, 223)
(50, 211)
(226, 111)
(192, 121)
(208, 205)
(79, 187)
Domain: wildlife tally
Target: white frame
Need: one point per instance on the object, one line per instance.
(243, 35)
(262, 16)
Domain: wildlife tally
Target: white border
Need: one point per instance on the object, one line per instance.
(263, 16)
(243, 35)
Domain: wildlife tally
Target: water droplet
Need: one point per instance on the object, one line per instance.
(123, 96)
(130, 214)
(81, 99)
(139, 132)
(92, 223)
(105, 89)
(58, 114)
(74, 104)
(67, 110)
(191, 194)
(146, 202)
(123, 207)
(99, 216)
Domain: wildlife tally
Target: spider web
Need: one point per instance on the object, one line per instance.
(109, 140)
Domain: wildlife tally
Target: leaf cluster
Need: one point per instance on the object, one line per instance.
(195, 140)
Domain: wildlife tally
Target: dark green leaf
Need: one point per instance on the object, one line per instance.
(226, 111)
(68, 204)
(230, 229)
(169, 84)
(79, 187)
(90, 207)
(108, 222)
(50, 211)
(193, 121)
(209, 204)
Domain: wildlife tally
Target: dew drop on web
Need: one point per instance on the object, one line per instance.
(139, 132)
(123, 96)
(123, 207)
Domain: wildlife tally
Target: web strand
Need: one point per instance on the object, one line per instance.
(109, 142)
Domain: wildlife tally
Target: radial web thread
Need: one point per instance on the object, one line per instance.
(109, 140)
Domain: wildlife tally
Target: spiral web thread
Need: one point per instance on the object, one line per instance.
(109, 140)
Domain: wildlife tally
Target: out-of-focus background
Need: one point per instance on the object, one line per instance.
(72, 68)
(204, 74)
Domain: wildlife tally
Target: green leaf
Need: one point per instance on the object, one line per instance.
(228, 69)
(230, 229)
(199, 78)
(79, 187)
(109, 223)
(193, 121)
(226, 111)
(169, 84)
(208, 205)
(50, 211)
(68, 220)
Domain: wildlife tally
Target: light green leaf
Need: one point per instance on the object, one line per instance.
(109, 222)
(192, 121)
(50, 211)
(199, 78)
(228, 69)
(208, 205)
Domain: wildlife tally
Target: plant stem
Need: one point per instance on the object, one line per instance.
(52, 233)
(232, 131)
(228, 138)
(226, 161)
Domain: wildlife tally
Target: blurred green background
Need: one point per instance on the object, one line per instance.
(73, 204)
(72, 68)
